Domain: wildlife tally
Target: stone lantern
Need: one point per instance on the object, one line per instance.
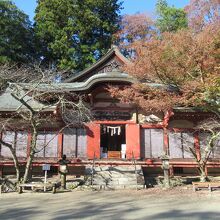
(63, 170)
(166, 166)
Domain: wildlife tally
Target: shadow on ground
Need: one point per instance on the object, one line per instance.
(106, 205)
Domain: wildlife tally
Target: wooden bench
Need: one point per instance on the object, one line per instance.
(206, 185)
(34, 186)
(214, 185)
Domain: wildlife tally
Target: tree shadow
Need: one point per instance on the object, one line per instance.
(179, 214)
(19, 213)
(103, 205)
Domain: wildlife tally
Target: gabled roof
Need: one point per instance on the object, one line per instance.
(113, 52)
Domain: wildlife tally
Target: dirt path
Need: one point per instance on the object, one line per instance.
(150, 204)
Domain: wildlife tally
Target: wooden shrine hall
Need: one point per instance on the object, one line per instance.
(119, 132)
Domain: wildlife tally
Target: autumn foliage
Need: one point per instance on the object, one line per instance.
(176, 68)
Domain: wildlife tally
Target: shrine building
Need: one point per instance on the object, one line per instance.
(119, 132)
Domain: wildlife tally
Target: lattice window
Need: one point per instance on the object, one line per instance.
(21, 144)
(152, 142)
(75, 142)
(18, 140)
(47, 145)
(179, 144)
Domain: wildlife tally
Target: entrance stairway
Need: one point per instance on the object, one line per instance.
(115, 177)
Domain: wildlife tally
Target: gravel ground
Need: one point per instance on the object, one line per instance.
(154, 204)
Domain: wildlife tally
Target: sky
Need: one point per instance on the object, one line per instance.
(130, 6)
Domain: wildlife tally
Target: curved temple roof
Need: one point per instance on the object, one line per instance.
(82, 86)
(113, 52)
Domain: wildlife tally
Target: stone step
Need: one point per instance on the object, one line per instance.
(118, 187)
(115, 176)
(116, 168)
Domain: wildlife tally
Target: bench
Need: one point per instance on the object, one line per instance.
(214, 185)
(34, 186)
(200, 185)
(206, 185)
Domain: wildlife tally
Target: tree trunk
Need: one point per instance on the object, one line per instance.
(17, 167)
(15, 159)
(30, 157)
(28, 167)
(203, 176)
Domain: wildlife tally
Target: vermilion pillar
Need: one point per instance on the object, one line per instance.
(166, 140)
(1, 166)
(196, 145)
(133, 141)
(93, 141)
(60, 145)
(29, 144)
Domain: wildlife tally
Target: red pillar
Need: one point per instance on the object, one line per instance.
(60, 145)
(133, 141)
(93, 140)
(1, 166)
(196, 145)
(29, 144)
(1, 136)
(166, 140)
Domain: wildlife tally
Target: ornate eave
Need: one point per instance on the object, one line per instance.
(110, 77)
(111, 61)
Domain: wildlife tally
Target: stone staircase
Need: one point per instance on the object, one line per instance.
(115, 177)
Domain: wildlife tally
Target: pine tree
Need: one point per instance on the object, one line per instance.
(16, 34)
(75, 33)
(170, 19)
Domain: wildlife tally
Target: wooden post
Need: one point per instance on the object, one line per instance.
(45, 181)
(166, 119)
(1, 171)
(93, 141)
(29, 144)
(1, 166)
(171, 171)
(60, 145)
(133, 141)
(0, 144)
(196, 145)
(166, 141)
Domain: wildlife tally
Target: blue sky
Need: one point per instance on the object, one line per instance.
(130, 6)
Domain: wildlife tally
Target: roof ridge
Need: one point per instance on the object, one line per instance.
(114, 49)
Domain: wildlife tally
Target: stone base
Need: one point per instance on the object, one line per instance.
(115, 177)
